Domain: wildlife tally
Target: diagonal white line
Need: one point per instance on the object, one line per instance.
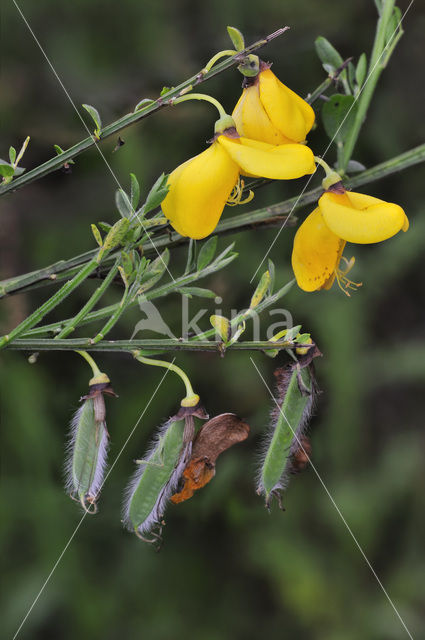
(332, 141)
(338, 510)
(135, 214)
(56, 564)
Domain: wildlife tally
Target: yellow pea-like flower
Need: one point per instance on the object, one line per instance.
(270, 112)
(200, 187)
(198, 191)
(362, 219)
(340, 218)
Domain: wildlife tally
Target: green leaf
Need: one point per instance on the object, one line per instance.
(105, 226)
(393, 25)
(222, 327)
(123, 204)
(338, 115)
(272, 276)
(198, 292)
(261, 290)
(12, 154)
(328, 54)
(361, 70)
(95, 116)
(143, 103)
(6, 170)
(237, 38)
(154, 272)
(156, 195)
(165, 90)
(18, 171)
(207, 253)
(134, 191)
(96, 234)
(355, 167)
(59, 151)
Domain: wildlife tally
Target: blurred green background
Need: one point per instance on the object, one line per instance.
(228, 569)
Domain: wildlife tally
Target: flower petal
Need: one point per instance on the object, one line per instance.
(316, 253)
(360, 218)
(281, 162)
(252, 120)
(289, 113)
(199, 189)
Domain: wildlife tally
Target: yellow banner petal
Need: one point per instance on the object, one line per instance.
(289, 113)
(252, 120)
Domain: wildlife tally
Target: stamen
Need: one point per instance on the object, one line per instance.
(236, 195)
(345, 283)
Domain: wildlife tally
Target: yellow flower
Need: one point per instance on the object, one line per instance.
(340, 218)
(200, 188)
(269, 111)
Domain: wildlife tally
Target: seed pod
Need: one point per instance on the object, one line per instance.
(285, 443)
(214, 437)
(158, 474)
(88, 446)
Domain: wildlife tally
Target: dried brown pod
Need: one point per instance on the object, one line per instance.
(214, 437)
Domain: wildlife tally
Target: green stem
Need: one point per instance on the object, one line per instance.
(202, 96)
(89, 359)
(376, 67)
(167, 99)
(312, 97)
(166, 345)
(74, 322)
(160, 292)
(115, 316)
(50, 304)
(249, 220)
(191, 396)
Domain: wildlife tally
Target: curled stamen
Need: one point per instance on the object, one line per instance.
(345, 283)
(237, 193)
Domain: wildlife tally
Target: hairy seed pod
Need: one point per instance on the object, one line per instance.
(156, 478)
(88, 446)
(286, 440)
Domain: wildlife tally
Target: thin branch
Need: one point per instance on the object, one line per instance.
(131, 118)
(64, 269)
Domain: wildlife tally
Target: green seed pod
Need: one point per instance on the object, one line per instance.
(88, 446)
(156, 478)
(297, 391)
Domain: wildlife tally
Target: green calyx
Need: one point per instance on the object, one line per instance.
(223, 123)
(250, 67)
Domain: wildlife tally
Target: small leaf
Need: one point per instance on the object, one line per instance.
(222, 327)
(115, 236)
(351, 76)
(134, 191)
(327, 53)
(143, 103)
(96, 117)
(12, 154)
(123, 204)
(355, 167)
(361, 70)
(237, 38)
(18, 171)
(6, 170)
(127, 264)
(198, 292)
(261, 290)
(338, 115)
(272, 276)
(156, 195)
(165, 90)
(105, 226)
(207, 253)
(393, 25)
(97, 235)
